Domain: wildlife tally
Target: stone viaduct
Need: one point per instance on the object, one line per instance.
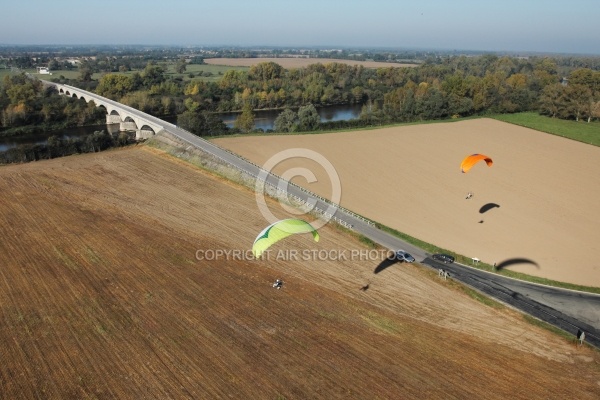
(128, 118)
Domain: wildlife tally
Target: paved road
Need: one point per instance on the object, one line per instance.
(567, 310)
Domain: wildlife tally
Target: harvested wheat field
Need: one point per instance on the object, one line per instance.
(298, 62)
(108, 290)
(538, 202)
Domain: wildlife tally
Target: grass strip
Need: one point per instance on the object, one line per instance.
(581, 131)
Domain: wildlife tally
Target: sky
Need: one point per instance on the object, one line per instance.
(548, 26)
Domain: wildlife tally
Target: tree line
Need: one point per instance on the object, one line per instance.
(444, 87)
(60, 147)
(461, 86)
(27, 106)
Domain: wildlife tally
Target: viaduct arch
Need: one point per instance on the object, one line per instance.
(128, 118)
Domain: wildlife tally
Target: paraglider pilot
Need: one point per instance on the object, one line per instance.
(278, 284)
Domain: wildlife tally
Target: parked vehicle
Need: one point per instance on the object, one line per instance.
(445, 258)
(402, 255)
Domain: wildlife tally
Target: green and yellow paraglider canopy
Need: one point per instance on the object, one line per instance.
(280, 230)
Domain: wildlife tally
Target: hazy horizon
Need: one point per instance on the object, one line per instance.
(463, 25)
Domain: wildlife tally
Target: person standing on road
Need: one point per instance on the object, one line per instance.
(580, 336)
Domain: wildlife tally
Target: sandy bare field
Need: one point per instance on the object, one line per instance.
(300, 62)
(547, 189)
(108, 290)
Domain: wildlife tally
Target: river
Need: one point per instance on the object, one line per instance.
(264, 119)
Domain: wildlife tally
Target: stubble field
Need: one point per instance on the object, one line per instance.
(102, 295)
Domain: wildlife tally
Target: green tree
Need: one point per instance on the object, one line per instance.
(371, 113)
(455, 85)
(265, 71)
(552, 100)
(137, 81)
(357, 94)
(191, 105)
(232, 79)
(181, 66)
(547, 65)
(594, 110)
(308, 118)
(22, 94)
(213, 124)
(201, 123)
(400, 104)
(586, 77)
(286, 121)
(245, 121)
(54, 147)
(190, 121)
(122, 139)
(432, 105)
(140, 100)
(579, 101)
(85, 71)
(459, 106)
(153, 75)
(53, 65)
(114, 86)
(98, 141)
(314, 86)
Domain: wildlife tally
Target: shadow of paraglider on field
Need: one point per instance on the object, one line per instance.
(513, 261)
(487, 207)
(387, 262)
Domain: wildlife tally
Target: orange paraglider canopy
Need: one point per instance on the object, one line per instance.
(473, 159)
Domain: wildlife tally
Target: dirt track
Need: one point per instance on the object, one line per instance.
(102, 296)
(408, 178)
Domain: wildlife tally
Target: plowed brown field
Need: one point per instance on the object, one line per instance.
(102, 295)
(408, 177)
